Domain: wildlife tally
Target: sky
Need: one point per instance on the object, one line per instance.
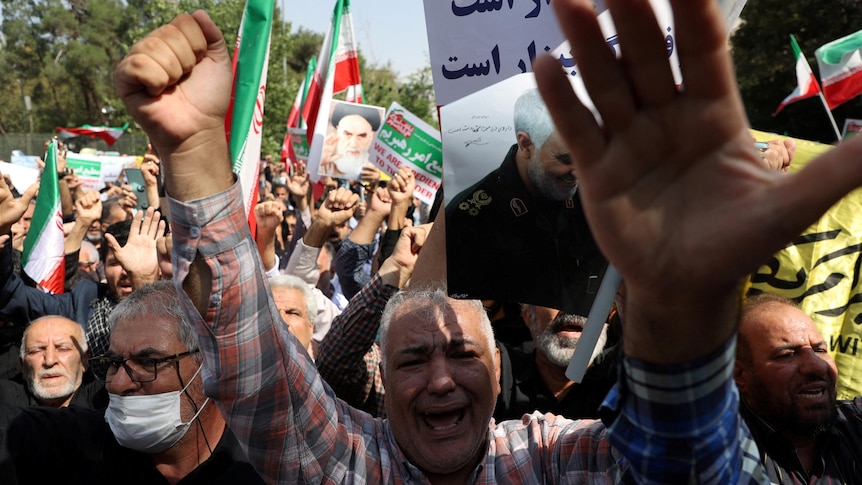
(386, 30)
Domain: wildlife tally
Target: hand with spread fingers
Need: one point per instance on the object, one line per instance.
(675, 192)
(139, 257)
(11, 209)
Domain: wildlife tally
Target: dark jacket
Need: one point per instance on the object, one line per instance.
(505, 244)
(841, 449)
(22, 304)
(75, 446)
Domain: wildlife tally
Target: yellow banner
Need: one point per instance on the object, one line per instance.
(822, 270)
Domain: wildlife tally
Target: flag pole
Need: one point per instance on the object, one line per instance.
(829, 113)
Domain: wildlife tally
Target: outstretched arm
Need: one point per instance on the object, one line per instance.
(176, 84)
(673, 188)
(680, 202)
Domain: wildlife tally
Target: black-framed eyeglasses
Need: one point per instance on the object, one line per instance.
(139, 369)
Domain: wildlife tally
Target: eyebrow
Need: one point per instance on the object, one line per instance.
(145, 352)
(42, 345)
(425, 349)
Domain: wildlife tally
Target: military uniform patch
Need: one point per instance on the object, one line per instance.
(518, 207)
(479, 199)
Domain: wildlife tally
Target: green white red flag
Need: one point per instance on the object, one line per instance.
(806, 82)
(44, 254)
(840, 63)
(295, 118)
(244, 122)
(337, 71)
(110, 134)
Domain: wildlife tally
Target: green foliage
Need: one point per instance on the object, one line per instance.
(765, 65)
(62, 53)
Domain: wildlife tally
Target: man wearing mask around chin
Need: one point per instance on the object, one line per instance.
(158, 428)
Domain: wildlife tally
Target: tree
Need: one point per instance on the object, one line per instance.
(765, 65)
(62, 53)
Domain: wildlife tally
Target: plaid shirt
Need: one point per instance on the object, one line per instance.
(98, 332)
(294, 429)
(348, 358)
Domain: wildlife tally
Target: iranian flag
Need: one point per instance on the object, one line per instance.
(244, 122)
(294, 118)
(806, 82)
(337, 71)
(110, 134)
(44, 255)
(840, 64)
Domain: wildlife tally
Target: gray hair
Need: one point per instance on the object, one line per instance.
(157, 300)
(434, 299)
(532, 117)
(79, 331)
(91, 250)
(288, 281)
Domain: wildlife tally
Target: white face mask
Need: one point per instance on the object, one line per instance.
(150, 424)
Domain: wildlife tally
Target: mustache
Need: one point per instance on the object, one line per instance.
(564, 319)
(53, 373)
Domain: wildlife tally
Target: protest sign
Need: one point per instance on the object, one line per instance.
(21, 176)
(476, 43)
(18, 158)
(820, 269)
(350, 132)
(95, 170)
(405, 139)
(299, 142)
(852, 127)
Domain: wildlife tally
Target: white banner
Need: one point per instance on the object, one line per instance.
(95, 170)
(476, 43)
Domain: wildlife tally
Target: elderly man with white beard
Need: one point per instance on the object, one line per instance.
(347, 150)
(537, 378)
(54, 357)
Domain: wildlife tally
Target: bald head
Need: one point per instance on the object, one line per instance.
(783, 369)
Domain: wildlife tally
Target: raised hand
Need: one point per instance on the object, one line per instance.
(298, 183)
(338, 207)
(268, 215)
(176, 84)
(380, 201)
(11, 209)
(369, 174)
(402, 185)
(675, 192)
(138, 257)
(401, 189)
(402, 261)
(88, 208)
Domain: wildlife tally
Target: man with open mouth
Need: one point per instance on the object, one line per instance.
(786, 379)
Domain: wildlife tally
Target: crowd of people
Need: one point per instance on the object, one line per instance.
(330, 346)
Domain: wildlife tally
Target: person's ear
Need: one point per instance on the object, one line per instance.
(525, 145)
(740, 375)
(497, 371)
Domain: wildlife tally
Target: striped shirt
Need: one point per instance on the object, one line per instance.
(666, 424)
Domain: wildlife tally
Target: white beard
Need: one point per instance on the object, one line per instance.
(351, 166)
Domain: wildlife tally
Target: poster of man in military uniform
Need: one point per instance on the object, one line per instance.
(519, 232)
